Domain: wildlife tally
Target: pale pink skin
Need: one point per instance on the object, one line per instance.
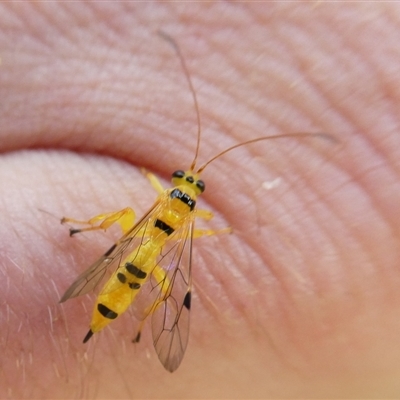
(303, 299)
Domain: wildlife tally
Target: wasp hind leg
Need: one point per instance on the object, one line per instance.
(136, 339)
(165, 286)
(125, 218)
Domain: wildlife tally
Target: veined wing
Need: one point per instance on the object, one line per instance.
(171, 315)
(90, 278)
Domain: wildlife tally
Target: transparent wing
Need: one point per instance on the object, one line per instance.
(170, 320)
(90, 278)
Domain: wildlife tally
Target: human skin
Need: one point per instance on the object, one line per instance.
(303, 299)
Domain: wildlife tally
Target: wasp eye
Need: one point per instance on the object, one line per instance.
(201, 185)
(178, 174)
(190, 179)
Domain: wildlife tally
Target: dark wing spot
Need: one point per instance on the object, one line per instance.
(188, 300)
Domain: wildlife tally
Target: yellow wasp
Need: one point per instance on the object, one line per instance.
(152, 261)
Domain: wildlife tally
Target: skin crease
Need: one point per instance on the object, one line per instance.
(302, 299)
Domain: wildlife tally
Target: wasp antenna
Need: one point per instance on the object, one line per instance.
(299, 135)
(174, 44)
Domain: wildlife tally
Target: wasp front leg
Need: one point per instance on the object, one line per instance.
(125, 218)
(155, 182)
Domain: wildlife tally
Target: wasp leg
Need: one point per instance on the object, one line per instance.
(125, 218)
(207, 215)
(139, 332)
(164, 283)
(210, 232)
(204, 214)
(155, 182)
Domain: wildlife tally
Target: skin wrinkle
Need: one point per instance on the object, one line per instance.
(329, 233)
(311, 278)
(363, 186)
(319, 200)
(219, 282)
(362, 177)
(291, 273)
(351, 119)
(389, 109)
(314, 90)
(296, 111)
(274, 80)
(310, 93)
(294, 191)
(337, 280)
(301, 200)
(375, 202)
(342, 46)
(31, 22)
(316, 87)
(226, 89)
(232, 292)
(378, 71)
(346, 230)
(278, 351)
(274, 270)
(372, 67)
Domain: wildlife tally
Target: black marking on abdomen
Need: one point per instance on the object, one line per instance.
(110, 250)
(163, 226)
(187, 300)
(184, 198)
(135, 271)
(134, 285)
(106, 312)
(121, 277)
